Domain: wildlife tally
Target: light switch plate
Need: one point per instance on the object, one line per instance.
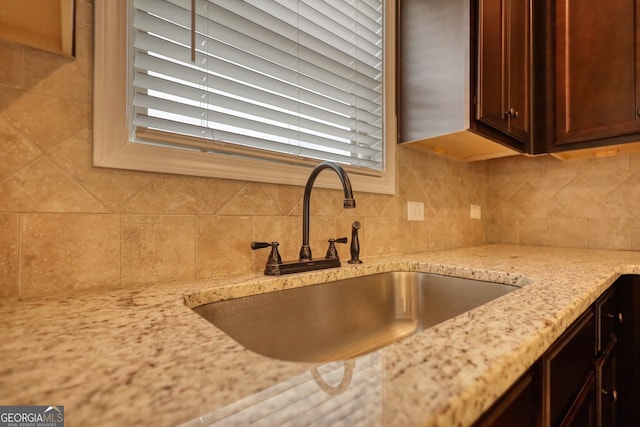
(476, 212)
(415, 211)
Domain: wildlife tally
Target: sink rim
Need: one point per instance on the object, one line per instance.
(257, 284)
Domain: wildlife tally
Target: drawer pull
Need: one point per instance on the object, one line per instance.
(612, 394)
(613, 316)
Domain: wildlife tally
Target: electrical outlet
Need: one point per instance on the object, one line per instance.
(476, 212)
(415, 211)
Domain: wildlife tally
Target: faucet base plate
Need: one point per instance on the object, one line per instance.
(289, 267)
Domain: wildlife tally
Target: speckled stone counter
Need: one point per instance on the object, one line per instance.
(141, 357)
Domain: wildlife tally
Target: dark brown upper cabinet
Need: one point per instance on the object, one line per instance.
(504, 49)
(437, 74)
(597, 86)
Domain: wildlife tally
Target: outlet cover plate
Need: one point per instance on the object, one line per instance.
(415, 211)
(476, 212)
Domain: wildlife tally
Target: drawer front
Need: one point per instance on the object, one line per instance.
(566, 366)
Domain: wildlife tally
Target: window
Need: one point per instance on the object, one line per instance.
(259, 91)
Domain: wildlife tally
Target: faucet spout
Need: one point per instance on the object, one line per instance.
(349, 202)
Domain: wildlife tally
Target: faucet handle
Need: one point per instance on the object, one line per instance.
(332, 252)
(274, 256)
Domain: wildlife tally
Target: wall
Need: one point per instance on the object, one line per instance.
(67, 226)
(593, 203)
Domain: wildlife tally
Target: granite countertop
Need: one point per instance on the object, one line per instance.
(139, 356)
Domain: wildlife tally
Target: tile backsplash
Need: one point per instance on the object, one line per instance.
(593, 203)
(66, 225)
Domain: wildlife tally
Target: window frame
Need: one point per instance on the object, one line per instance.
(111, 143)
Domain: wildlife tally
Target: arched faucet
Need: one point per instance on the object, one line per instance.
(349, 202)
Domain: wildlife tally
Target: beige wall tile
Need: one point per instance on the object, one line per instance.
(411, 188)
(286, 230)
(168, 194)
(635, 234)
(16, 151)
(594, 201)
(367, 204)
(224, 245)
(64, 252)
(46, 120)
(569, 232)
(626, 196)
(112, 187)
(384, 237)
(9, 255)
(323, 202)
(579, 200)
(418, 236)
(288, 198)
(158, 248)
(213, 191)
(41, 187)
(534, 231)
(396, 208)
(533, 203)
(321, 229)
(502, 230)
(251, 198)
(610, 233)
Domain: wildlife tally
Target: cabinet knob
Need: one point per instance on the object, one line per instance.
(612, 394)
(511, 112)
(614, 316)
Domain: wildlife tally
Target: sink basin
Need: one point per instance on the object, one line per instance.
(346, 318)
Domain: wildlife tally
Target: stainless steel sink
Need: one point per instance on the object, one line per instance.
(346, 318)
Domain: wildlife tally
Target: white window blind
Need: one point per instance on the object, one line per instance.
(289, 80)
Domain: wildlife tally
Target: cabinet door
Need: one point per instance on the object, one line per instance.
(607, 386)
(608, 318)
(583, 411)
(492, 72)
(628, 355)
(596, 69)
(566, 366)
(518, 64)
(517, 407)
(503, 66)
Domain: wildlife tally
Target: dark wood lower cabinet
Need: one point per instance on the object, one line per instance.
(517, 407)
(590, 377)
(628, 367)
